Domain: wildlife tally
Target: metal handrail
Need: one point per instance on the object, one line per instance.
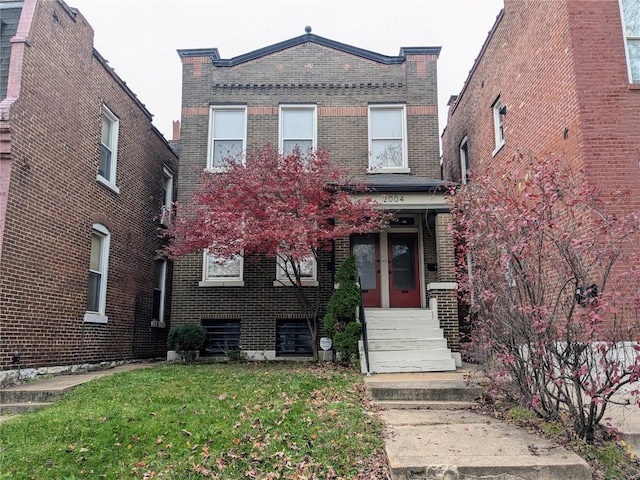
(363, 322)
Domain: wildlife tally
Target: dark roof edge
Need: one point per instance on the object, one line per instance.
(122, 83)
(199, 52)
(477, 60)
(310, 37)
(408, 188)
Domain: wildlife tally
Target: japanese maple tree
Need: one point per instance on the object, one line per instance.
(284, 207)
(549, 268)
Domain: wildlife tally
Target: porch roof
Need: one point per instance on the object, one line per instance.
(395, 182)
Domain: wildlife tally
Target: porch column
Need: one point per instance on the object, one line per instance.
(443, 291)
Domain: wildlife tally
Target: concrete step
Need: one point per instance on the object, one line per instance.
(403, 333)
(404, 366)
(424, 405)
(413, 323)
(433, 392)
(26, 394)
(398, 313)
(379, 344)
(21, 407)
(409, 355)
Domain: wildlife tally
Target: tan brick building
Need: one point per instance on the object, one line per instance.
(83, 179)
(375, 113)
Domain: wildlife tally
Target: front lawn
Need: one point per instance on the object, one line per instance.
(228, 421)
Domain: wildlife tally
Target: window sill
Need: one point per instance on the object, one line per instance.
(287, 283)
(497, 149)
(389, 170)
(107, 183)
(91, 317)
(157, 324)
(634, 86)
(221, 283)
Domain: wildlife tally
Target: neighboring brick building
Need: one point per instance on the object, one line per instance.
(556, 77)
(354, 103)
(83, 178)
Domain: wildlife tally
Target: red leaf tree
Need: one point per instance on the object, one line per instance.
(549, 268)
(286, 207)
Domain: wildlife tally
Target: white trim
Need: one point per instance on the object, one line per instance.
(442, 286)
(288, 107)
(289, 283)
(167, 201)
(112, 147)
(159, 322)
(99, 316)
(221, 283)
(211, 139)
(625, 38)
(464, 159)
(404, 140)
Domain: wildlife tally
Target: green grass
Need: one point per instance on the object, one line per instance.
(260, 421)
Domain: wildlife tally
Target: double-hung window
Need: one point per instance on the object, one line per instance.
(167, 195)
(464, 161)
(297, 128)
(159, 289)
(227, 134)
(222, 272)
(285, 272)
(108, 149)
(499, 111)
(98, 267)
(388, 138)
(631, 28)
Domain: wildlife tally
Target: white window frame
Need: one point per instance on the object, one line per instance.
(626, 36)
(498, 124)
(405, 157)
(282, 279)
(159, 322)
(167, 200)
(100, 316)
(209, 281)
(112, 147)
(210, 148)
(464, 160)
(314, 127)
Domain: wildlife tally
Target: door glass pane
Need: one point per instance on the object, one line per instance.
(403, 251)
(364, 249)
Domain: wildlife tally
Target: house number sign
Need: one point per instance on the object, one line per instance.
(392, 198)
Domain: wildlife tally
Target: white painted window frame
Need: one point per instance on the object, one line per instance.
(498, 125)
(626, 37)
(405, 150)
(167, 201)
(464, 159)
(113, 148)
(210, 147)
(283, 109)
(282, 279)
(159, 322)
(100, 316)
(207, 281)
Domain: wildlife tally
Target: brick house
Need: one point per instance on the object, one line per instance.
(354, 103)
(558, 77)
(83, 179)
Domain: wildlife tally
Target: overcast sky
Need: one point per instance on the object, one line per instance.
(139, 38)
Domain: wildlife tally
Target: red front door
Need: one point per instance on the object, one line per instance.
(404, 278)
(366, 249)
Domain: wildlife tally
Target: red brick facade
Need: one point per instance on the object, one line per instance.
(50, 136)
(559, 69)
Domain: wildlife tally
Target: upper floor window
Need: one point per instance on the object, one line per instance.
(297, 128)
(631, 26)
(285, 273)
(167, 195)
(98, 267)
(499, 111)
(222, 272)
(108, 149)
(388, 139)
(227, 134)
(464, 161)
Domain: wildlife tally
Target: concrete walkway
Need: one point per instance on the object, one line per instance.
(431, 435)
